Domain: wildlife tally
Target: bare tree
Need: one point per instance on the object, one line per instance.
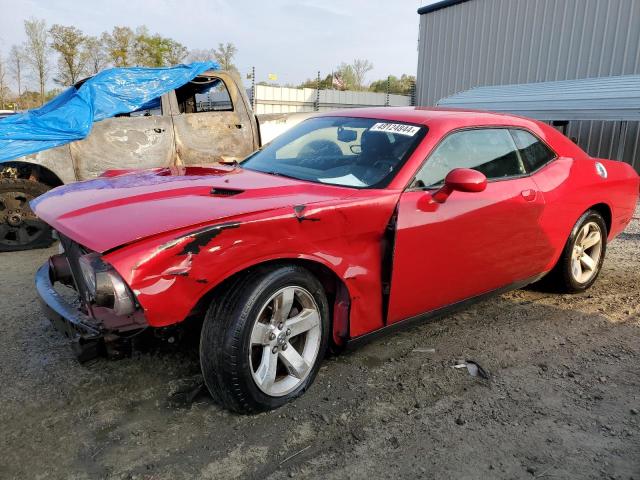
(72, 61)
(4, 89)
(201, 55)
(95, 54)
(175, 53)
(37, 50)
(119, 45)
(16, 65)
(360, 69)
(224, 55)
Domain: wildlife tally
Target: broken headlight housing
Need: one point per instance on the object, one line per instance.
(105, 286)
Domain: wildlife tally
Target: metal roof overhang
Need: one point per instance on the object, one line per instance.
(439, 6)
(604, 98)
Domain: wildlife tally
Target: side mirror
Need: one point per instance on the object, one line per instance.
(461, 180)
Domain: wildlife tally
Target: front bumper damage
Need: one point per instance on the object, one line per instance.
(87, 338)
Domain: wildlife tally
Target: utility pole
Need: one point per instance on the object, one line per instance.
(253, 89)
(316, 105)
(386, 99)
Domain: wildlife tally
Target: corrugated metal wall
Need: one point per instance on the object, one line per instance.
(498, 42)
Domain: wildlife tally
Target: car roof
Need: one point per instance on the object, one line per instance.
(428, 116)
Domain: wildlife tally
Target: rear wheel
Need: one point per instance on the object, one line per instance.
(263, 339)
(583, 255)
(20, 229)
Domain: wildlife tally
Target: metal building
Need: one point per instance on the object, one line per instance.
(606, 99)
(471, 43)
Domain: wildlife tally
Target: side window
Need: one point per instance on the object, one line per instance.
(204, 94)
(534, 153)
(488, 150)
(149, 109)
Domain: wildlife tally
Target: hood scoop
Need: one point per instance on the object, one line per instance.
(224, 192)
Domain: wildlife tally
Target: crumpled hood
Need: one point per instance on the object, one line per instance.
(108, 212)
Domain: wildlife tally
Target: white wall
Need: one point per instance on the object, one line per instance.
(288, 100)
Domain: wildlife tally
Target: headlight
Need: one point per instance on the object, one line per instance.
(87, 268)
(105, 286)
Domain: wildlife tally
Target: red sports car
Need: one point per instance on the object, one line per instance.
(348, 225)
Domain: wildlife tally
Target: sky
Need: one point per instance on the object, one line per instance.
(293, 39)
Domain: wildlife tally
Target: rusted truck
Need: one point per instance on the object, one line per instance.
(208, 120)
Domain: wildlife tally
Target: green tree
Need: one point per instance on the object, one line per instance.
(37, 51)
(400, 86)
(148, 50)
(224, 56)
(156, 50)
(176, 52)
(69, 42)
(326, 83)
(344, 77)
(29, 100)
(119, 46)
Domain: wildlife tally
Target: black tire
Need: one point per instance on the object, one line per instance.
(20, 229)
(561, 278)
(225, 341)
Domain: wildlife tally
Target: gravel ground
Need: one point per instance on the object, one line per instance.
(563, 399)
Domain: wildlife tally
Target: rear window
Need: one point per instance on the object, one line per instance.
(534, 153)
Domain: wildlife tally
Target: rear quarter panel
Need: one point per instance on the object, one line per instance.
(571, 186)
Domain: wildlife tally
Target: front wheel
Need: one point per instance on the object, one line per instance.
(583, 255)
(264, 337)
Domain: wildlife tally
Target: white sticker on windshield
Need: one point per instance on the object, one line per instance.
(399, 128)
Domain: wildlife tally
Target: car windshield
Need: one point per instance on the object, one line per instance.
(346, 151)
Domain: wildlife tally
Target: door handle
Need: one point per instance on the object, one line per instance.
(158, 130)
(529, 195)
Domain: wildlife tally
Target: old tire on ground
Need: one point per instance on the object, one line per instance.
(263, 338)
(583, 255)
(20, 229)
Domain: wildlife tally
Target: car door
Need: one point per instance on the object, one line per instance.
(473, 242)
(211, 121)
(140, 139)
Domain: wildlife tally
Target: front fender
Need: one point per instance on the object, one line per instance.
(170, 273)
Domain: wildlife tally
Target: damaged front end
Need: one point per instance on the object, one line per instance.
(104, 308)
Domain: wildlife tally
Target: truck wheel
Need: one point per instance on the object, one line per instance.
(263, 338)
(583, 255)
(20, 229)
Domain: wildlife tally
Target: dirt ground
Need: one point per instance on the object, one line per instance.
(562, 401)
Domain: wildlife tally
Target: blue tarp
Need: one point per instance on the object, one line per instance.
(70, 115)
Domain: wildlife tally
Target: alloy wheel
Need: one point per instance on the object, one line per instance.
(285, 341)
(587, 249)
